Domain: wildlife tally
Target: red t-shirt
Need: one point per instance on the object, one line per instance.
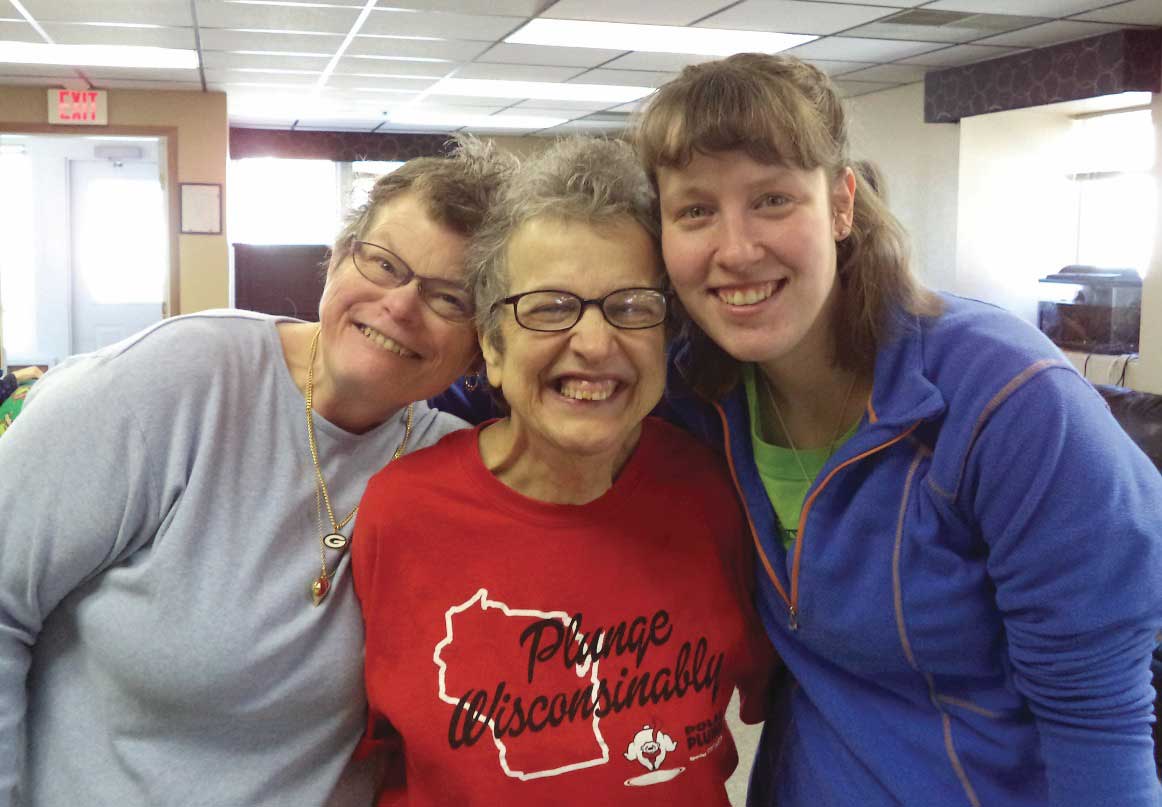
(526, 653)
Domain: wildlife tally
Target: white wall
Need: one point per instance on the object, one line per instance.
(919, 162)
(1016, 223)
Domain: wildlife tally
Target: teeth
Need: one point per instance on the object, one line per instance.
(755, 294)
(386, 342)
(587, 390)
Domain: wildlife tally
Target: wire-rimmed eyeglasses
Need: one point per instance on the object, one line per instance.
(556, 310)
(384, 268)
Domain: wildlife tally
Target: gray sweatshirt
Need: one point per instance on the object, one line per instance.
(158, 538)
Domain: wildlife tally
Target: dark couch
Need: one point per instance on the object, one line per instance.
(1140, 414)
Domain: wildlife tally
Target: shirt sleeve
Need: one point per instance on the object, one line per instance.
(78, 495)
(1071, 511)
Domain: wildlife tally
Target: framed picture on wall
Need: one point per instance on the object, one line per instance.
(201, 208)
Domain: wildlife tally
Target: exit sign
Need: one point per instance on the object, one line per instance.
(83, 107)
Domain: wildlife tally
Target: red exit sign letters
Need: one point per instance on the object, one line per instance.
(78, 107)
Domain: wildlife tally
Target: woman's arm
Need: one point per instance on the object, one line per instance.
(77, 494)
(1072, 514)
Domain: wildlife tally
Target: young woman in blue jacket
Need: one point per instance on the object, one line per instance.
(960, 551)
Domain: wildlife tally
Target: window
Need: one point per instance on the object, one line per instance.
(1112, 156)
(277, 201)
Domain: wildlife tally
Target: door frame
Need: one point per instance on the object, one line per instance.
(170, 135)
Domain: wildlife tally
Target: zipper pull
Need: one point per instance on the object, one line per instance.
(793, 619)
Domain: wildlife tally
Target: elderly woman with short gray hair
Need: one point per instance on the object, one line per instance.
(557, 603)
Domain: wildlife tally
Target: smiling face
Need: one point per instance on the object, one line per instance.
(750, 249)
(387, 345)
(581, 393)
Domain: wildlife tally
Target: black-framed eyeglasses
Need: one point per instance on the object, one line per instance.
(384, 268)
(556, 310)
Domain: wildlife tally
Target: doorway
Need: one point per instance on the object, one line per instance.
(87, 263)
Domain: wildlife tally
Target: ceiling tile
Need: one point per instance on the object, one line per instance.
(850, 89)
(281, 18)
(582, 126)
(21, 31)
(1135, 12)
(794, 17)
(224, 59)
(453, 49)
(556, 104)
(505, 53)
(838, 68)
(671, 12)
(890, 73)
(303, 79)
(630, 108)
(1051, 33)
(625, 78)
(384, 69)
(470, 101)
(860, 49)
(917, 33)
(657, 62)
(546, 109)
(49, 71)
(155, 12)
(98, 74)
(897, 4)
(1035, 8)
(228, 39)
(397, 22)
(517, 72)
(141, 84)
(960, 54)
(65, 34)
(408, 84)
(509, 8)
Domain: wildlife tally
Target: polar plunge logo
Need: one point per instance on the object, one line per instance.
(649, 748)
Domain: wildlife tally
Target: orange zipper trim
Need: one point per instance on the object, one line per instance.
(792, 601)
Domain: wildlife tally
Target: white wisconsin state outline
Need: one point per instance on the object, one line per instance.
(481, 596)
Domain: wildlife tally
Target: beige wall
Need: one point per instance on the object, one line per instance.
(919, 163)
(199, 121)
(989, 209)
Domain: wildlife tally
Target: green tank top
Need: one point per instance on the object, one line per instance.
(781, 475)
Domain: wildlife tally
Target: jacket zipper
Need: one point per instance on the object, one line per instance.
(792, 601)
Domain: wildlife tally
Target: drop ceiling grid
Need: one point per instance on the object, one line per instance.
(255, 52)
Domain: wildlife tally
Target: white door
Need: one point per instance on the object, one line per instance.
(119, 250)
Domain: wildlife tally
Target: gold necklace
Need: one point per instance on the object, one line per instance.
(321, 585)
(787, 432)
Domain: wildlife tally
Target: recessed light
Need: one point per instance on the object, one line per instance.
(544, 90)
(97, 55)
(652, 38)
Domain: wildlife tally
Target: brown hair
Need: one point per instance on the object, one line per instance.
(779, 110)
(457, 190)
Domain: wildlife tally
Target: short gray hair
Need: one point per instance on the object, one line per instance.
(456, 189)
(587, 179)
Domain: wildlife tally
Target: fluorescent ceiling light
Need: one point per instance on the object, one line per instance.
(97, 55)
(398, 58)
(545, 90)
(652, 38)
(455, 120)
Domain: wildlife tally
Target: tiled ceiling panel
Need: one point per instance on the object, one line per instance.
(794, 17)
(1135, 12)
(1050, 33)
(350, 63)
(1034, 8)
(155, 12)
(672, 12)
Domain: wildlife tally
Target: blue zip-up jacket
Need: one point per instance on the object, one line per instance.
(975, 592)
